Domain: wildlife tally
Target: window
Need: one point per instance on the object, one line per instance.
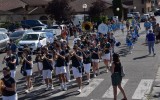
(142, 10)
(142, 1)
(1, 37)
(5, 36)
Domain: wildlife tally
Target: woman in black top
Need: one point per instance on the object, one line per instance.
(61, 66)
(27, 65)
(9, 86)
(116, 76)
(76, 58)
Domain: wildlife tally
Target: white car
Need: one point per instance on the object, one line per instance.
(57, 29)
(32, 40)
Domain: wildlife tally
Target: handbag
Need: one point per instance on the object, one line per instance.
(122, 71)
(23, 70)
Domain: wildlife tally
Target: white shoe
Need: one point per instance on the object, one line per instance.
(27, 91)
(88, 81)
(52, 87)
(79, 90)
(62, 87)
(107, 70)
(31, 88)
(47, 88)
(95, 75)
(65, 87)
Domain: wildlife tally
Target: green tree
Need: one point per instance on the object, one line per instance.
(97, 10)
(117, 4)
(59, 10)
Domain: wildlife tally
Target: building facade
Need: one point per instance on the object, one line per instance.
(142, 6)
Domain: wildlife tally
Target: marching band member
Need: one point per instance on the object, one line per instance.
(87, 61)
(95, 59)
(27, 64)
(61, 66)
(10, 61)
(66, 48)
(38, 60)
(76, 58)
(8, 86)
(107, 54)
(47, 60)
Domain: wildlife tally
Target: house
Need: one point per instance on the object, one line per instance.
(35, 9)
(142, 6)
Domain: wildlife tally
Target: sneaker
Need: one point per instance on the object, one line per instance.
(62, 87)
(52, 87)
(47, 88)
(65, 87)
(107, 70)
(31, 88)
(79, 90)
(27, 91)
(95, 75)
(88, 81)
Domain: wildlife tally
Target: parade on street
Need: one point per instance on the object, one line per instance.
(74, 50)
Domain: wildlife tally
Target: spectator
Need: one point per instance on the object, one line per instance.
(151, 40)
(116, 76)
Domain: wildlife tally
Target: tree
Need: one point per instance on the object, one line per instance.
(117, 4)
(97, 10)
(59, 10)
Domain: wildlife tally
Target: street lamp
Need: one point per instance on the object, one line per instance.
(84, 6)
(118, 9)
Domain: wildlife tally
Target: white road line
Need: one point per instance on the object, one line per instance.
(89, 88)
(109, 92)
(143, 89)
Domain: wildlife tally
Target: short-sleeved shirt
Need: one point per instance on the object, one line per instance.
(75, 61)
(107, 45)
(10, 65)
(60, 61)
(88, 59)
(95, 55)
(8, 83)
(26, 65)
(46, 64)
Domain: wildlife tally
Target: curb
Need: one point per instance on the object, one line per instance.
(156, 84)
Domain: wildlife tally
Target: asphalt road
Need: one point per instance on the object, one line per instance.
(140, 73)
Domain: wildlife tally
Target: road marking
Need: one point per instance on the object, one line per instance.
(58, 94)
(143, 89)
(109, 92)
(89, 88)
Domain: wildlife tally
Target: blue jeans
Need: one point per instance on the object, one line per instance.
(151, 46)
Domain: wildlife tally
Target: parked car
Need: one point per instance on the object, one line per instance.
(57, 29)
(32, 23)
(32, 39)
(4, 39)
(145, 17)
(135, 14)
(157, 13)
(18, 34)
(4, 30)
(50, 37)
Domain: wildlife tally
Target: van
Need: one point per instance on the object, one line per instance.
(32, 23)
(4, 39)
(32, 40)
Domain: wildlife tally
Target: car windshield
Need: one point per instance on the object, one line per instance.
(55, 27)
(30, 37)
(3, 30)
(49, 35)
(17, 34)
